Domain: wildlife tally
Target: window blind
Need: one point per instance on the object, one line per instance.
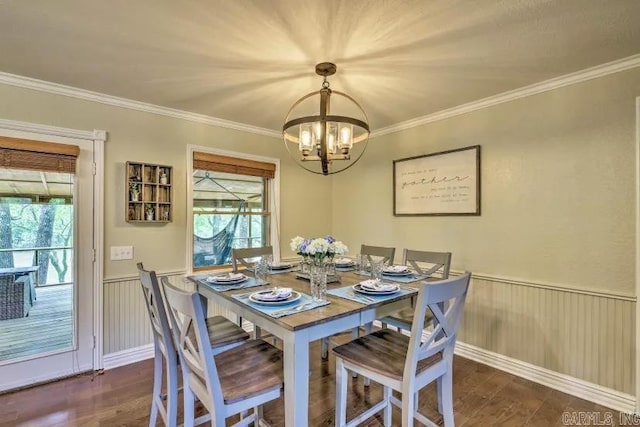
(18, 153)
(217, 163)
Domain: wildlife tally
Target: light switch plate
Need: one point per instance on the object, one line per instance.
(119, 253)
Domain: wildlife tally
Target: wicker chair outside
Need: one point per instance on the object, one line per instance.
(15, 296)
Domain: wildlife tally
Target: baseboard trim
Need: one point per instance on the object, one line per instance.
(128, 356)
(567, 384)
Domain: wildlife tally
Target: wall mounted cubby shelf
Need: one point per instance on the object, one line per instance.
(149, 195)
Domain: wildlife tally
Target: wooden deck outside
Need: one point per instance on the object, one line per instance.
(48, 327)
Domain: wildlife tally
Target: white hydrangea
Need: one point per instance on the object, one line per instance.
(318, 246)
(338, 248)
(295, 243)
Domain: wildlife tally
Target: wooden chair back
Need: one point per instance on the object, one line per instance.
(433, 296)
(240, 257)
(157, 313)
(388, 254)
(198, 365)
(441, 260)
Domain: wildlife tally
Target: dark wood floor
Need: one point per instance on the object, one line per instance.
(483, 396)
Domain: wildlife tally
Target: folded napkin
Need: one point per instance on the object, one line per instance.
(343, 261)
(378, 286)
(395, 269)
(274, 294)
(229, 277)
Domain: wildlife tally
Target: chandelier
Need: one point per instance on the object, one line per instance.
(328, 140)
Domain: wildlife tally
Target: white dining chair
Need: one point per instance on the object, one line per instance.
(223, 335)
(407, 364)
(229, 383)
(422, 262)
(242, 258)
(387, 254)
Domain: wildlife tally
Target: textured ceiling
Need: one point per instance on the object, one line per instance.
(248, 61)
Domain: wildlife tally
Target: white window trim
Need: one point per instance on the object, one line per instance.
(274, 199)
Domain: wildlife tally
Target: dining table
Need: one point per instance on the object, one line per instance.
(342, 311)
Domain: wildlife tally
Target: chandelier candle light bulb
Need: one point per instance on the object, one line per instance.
(326, 139)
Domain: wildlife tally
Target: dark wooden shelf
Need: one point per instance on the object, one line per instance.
(154, 193)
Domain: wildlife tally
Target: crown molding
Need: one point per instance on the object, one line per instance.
(534, 89)
(87, 95)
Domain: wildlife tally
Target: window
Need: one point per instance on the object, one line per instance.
(231, 200)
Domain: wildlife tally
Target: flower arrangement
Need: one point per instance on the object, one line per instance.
(318, 249)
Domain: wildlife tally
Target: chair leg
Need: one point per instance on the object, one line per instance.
(259, 415)
(446, 397)
(341, 393)
(157, 386)
(389, 408)
(189, 406)
(257, 332)
(172, 392)
(439, 393)
(408, 410)
(325, 348)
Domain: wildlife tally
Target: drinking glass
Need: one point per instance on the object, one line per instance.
(268, 259)
(363, 261)
(377, 264)
(261, 271)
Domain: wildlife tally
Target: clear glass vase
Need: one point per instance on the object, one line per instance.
(318, 281)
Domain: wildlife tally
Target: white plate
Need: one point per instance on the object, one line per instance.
(224, 280)
(397, 273)
(291, 298)
(280, 266)
(362, 290)
(346, 264)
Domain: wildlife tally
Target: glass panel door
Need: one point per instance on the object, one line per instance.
(46, 274)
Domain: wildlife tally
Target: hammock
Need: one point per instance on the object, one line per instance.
(216, 250)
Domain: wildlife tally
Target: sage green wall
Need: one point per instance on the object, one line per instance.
(139, 136)
(558, 188)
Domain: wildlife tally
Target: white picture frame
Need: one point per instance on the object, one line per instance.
(444, 183)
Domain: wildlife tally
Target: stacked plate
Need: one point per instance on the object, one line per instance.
(227, 279)
(396, 270)
(343, 262)
(280, 266)
(275, 296)
(375, 287)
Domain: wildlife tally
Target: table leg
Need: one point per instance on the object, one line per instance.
(296, 380)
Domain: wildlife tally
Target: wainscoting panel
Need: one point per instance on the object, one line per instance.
(576, 333)
(587, 336)
(126, 322)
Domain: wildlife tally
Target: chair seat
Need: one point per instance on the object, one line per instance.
(404, 318)
(222, 331)
(383, 352)
(250, 369)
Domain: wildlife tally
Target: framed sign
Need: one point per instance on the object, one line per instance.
(445, 183)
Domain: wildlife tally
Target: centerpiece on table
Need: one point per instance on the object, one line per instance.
(317, 256)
